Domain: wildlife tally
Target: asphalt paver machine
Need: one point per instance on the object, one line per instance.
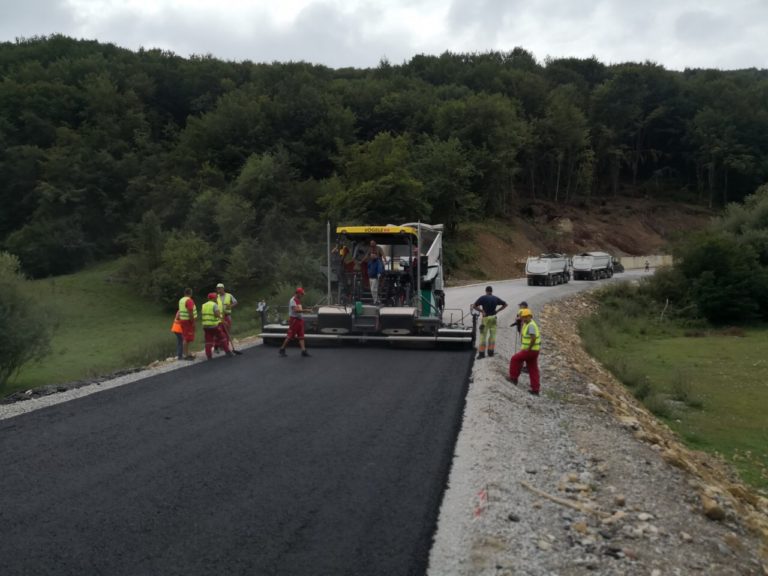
(409, 306)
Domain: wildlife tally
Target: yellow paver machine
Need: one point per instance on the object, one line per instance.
(407, 303)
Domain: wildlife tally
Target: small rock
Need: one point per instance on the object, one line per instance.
(655, 572)
(630, 553)
(512, 517)
(544, 545)
(613, 551)
(620, 500)
(580, 527)
(644, 516)
(712, 509)
(614, 518)
(685, 537)
(733, 541)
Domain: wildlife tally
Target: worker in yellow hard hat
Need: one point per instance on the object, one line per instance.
(529, 352)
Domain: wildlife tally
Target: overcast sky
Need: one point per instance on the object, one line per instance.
(726, 34)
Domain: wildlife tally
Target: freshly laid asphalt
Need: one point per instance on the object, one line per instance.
(258, 465)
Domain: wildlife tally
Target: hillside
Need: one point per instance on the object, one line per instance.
(620, 226)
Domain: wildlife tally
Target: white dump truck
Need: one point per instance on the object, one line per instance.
(592, 266)
(547, 270)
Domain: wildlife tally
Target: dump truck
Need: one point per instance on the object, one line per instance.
(547, 270)
(592, 266)
(410, 305)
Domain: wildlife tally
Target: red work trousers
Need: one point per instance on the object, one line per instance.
(531, 359)
(215, 337)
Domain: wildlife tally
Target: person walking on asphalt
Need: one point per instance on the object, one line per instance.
(488, 306)
(187, 315)
(295, 323)
(213, 327)
(529, 352)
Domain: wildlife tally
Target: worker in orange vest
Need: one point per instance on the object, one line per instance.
(176, 329)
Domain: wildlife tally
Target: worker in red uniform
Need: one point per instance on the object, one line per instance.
(529, 352)
(213, 326)
(187, 315)
(295, 323)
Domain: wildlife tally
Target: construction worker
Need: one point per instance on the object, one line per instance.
(488, 306)
(518, 323)
(176, 329)
(375, 271)
(213, 327)
(295, 323)
(187, 316)
(529, 352)
(226, 303)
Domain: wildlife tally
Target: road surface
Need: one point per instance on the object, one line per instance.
(333, 464)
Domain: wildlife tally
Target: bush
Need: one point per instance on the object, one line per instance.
(727, 284)
(25, 328)
(658, 405)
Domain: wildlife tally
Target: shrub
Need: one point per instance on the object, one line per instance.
(25, 327)
(658, 405)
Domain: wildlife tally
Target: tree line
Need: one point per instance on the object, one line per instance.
(202, 168)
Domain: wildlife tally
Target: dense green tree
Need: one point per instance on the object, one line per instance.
(93, 137)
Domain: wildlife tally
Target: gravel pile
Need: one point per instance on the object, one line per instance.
(582, 480)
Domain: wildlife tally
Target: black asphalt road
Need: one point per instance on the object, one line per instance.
(259, 465)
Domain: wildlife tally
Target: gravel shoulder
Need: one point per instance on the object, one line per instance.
(583, 480)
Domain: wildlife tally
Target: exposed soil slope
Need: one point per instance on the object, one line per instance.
(620, 226)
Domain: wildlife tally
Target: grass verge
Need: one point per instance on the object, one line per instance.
(102, 325)
(709, 386)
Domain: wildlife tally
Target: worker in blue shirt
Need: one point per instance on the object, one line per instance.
(488, 306)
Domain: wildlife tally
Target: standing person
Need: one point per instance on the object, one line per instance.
(213, 326)
(176, 329)
(295, 323)
(226, 303)
(518, 323)
(488, 306)
(647, 266)
(529, 352)
(187, 315)
(375, 270)
(374, 248)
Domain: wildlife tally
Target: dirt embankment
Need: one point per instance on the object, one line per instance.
(619, 226)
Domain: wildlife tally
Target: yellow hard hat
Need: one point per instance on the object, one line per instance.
(525, 312)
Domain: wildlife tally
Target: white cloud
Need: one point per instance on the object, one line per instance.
(680, 33)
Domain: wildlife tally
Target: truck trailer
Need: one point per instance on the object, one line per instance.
(592, 266)
(547, 270)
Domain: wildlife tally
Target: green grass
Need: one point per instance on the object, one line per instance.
(103, 325)
(712, 389)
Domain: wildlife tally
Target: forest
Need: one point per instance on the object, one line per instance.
(199, 168)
